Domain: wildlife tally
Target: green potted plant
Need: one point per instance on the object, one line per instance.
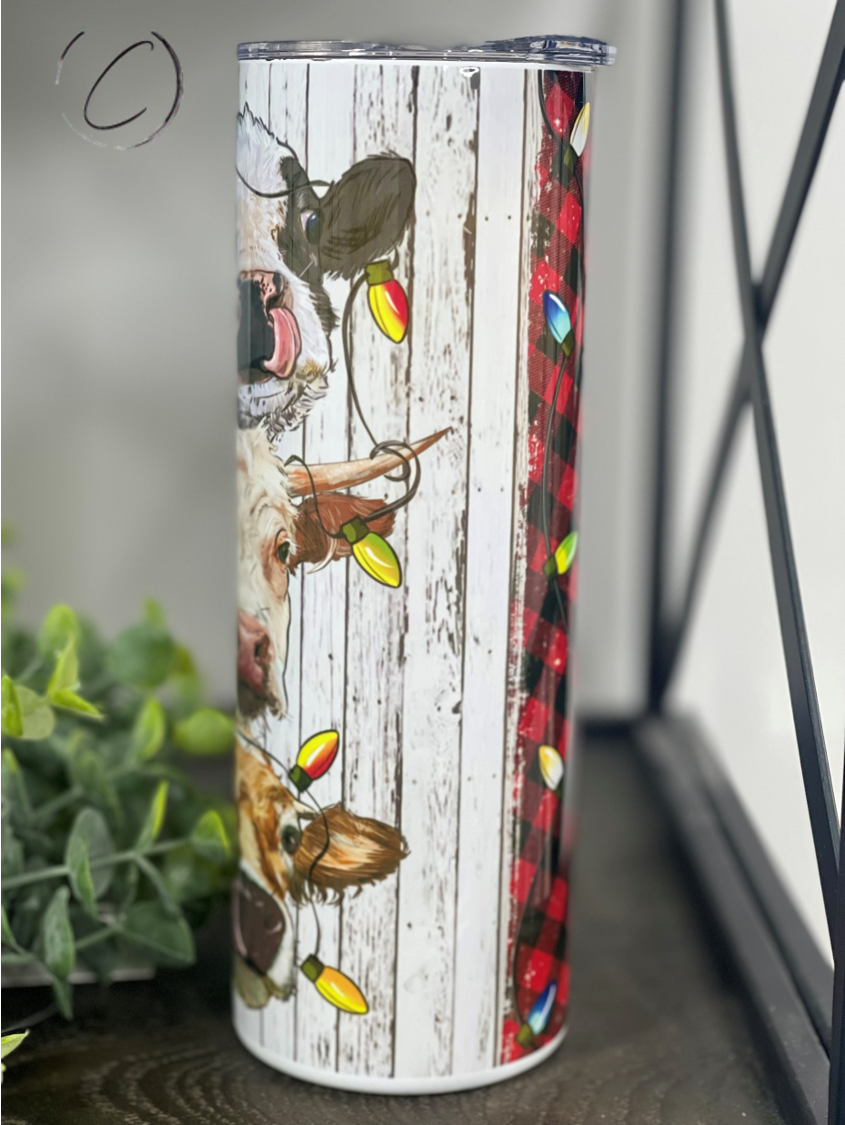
(111, 855)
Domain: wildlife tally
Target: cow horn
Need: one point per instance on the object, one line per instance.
(344, 474)
(303, 811)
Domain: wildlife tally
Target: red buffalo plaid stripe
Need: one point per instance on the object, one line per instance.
(539, 877)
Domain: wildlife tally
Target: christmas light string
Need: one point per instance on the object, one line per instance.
(557, 317)
(388, 305)
(333, 985)
(559, 322)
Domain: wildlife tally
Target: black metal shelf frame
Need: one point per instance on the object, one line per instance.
(798, 999)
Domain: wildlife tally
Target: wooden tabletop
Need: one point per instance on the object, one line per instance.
(658, 1032)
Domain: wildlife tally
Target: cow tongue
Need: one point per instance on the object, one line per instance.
(288, 343)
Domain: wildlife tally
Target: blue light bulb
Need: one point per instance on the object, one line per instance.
(538, 1017)
(558, 320)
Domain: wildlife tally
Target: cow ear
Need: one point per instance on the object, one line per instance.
(364, 214)
(340, 850)
(313, 545)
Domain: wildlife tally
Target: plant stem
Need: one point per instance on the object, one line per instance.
(18, 958)
(47, 810)
(83, 943)
(97, 936)
(61, 870)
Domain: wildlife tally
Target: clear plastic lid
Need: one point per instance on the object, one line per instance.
(534, 50)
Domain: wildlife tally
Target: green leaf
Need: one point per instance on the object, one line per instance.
(188, 876)
(149, 730)
(57, 935)
(89, 772)
(90, 826)
(15, 792)
(12, 582)
(62, 994)
(7, 935)
(155, 817)
(205, 732)
(89, 839)
(7, 1044)
(154, 614)
(150, 926)
(38, 718)
(81, 880)
(184, 684)
(209, 838)
(159, 885)
(60, 628)
(70, 701)
(65, 675)
(142, 655)
(12, 852)
(11, 717)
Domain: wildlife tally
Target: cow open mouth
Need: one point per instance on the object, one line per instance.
(259, 923)
(288, 344)
(269, 340)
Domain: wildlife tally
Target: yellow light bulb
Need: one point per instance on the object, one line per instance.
(333, 986)
(372, 553)
(580, 129)
(551, 766)
(563, 556)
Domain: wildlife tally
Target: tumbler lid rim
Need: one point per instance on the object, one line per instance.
(535, 50)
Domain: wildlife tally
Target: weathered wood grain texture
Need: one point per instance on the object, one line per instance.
(255, 89)
(435, 568)
(512, 775)
(490, 504)
(286, 117)
(384, 121)
(323, 591)
(658, 1034)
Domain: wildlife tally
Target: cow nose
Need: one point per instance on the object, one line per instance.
(255, 651)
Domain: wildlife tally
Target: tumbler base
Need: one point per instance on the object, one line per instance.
(370, 1084)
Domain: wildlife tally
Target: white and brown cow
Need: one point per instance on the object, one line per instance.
(292, 855)
(279, 531)
(289, 239)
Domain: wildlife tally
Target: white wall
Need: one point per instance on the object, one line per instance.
(119, 340)
(733, 672)
(119, 315)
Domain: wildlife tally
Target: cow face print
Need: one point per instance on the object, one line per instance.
(290, 239)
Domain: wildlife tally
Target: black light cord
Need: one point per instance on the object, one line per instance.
(280, 194)
(394, 447)
(346, 336)
(320, 811)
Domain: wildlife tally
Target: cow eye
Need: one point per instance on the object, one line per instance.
(312, 224)
(291, 838)
(283, 552)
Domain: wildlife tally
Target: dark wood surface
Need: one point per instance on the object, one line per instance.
(658, 1031)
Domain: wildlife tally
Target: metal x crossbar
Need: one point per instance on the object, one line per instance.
(750, 387)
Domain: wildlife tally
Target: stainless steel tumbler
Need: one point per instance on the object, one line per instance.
(411, 281)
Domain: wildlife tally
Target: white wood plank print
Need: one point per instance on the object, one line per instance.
(372, 902)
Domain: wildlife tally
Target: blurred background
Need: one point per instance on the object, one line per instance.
(119, 327)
